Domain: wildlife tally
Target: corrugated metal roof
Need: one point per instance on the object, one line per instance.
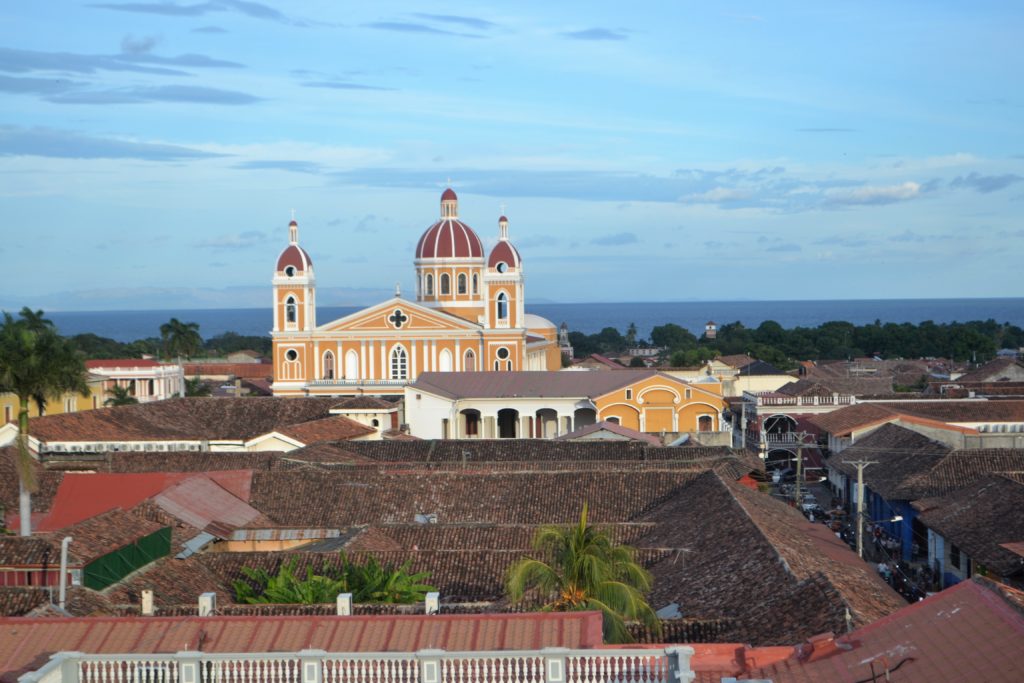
(527, 384)
(24, 643)
(199, 501)
(283, 534)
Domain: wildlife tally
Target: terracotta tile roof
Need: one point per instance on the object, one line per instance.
(970, 632)
(487, 450)
(93, 538)
(605, 426)
(863, 415)
(30, 640)
(962, 468)
(364, 403)
(484, 536)
(15, 602)
(738, 549)
(994, 370)
(736, 360)
(333, 428)
(804, 387)
(343, 499)
(238, 370)
(182, 418)
(901, 455)
(526, 384)
(980, 518)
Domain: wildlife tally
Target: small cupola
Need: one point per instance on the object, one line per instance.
(449, 204)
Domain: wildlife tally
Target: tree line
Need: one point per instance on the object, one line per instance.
(837, 340)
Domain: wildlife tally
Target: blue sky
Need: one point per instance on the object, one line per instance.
(151, 152)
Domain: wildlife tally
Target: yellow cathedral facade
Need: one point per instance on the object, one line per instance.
(468, 316)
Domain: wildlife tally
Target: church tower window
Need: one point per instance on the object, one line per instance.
(476, 284)
(399, 363)
(430, 285)
(328, 365)
(446, 284)
(469, 361)
(462, 283)
(290, 310)
(502, 306)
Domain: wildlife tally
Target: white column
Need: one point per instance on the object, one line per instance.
(457, 365)
(372, 346)
(433, 354)
(362, 359)
(316, 360)
(413, 350)
(384, 359)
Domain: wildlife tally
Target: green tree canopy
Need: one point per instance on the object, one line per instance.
(36, 364)
(180, 339)
(580, 568)
(120, 396)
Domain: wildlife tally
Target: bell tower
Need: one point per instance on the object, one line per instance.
(504, 280)
(294, 287)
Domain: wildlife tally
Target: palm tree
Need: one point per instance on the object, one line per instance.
(36, 364)
(583, 569)
(180, 339)
(120, 396)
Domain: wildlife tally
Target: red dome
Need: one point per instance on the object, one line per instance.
(449, 195)
(294, 256)
(503, 252)
(449, 238)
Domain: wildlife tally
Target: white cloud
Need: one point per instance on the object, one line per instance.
(868, 194)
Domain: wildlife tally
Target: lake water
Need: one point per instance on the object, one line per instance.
(586, 318)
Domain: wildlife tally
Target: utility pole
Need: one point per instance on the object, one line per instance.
(860, 465)
(798, 489)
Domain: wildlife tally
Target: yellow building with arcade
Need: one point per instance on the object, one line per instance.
(468, 316)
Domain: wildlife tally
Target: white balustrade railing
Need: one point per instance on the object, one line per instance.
(549, 665)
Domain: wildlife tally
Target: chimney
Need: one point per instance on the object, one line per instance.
(147, 603)
(433, 603)
(819, 646)
(207, 604)
(344, 604)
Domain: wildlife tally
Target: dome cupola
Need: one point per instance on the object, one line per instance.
(294, 257)
(449, 238)
(504, 256)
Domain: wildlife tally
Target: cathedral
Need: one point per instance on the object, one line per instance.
(469, 316)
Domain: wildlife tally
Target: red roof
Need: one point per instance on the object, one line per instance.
(449, 238)
(82, 496)
(294, 256)
(449, 195)
(27, 642)
(121, 363)
(503, 252)
(971, 632)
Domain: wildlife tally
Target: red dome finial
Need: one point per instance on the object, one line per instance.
(449, 196)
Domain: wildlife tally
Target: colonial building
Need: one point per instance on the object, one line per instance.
(544, 405)
(469, 316)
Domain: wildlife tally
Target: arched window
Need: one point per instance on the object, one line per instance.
(444, 361)
(291, 313)
(351, 365)
(399, 363)
(462, 283)
(292, 367)
(469, 360)
(503, 362)
(430, 285)
(502, 306)
(476, 284)
(705, 423)
(328, 365)
(446, 284)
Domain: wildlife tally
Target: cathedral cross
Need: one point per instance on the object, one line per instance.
(398, 318)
